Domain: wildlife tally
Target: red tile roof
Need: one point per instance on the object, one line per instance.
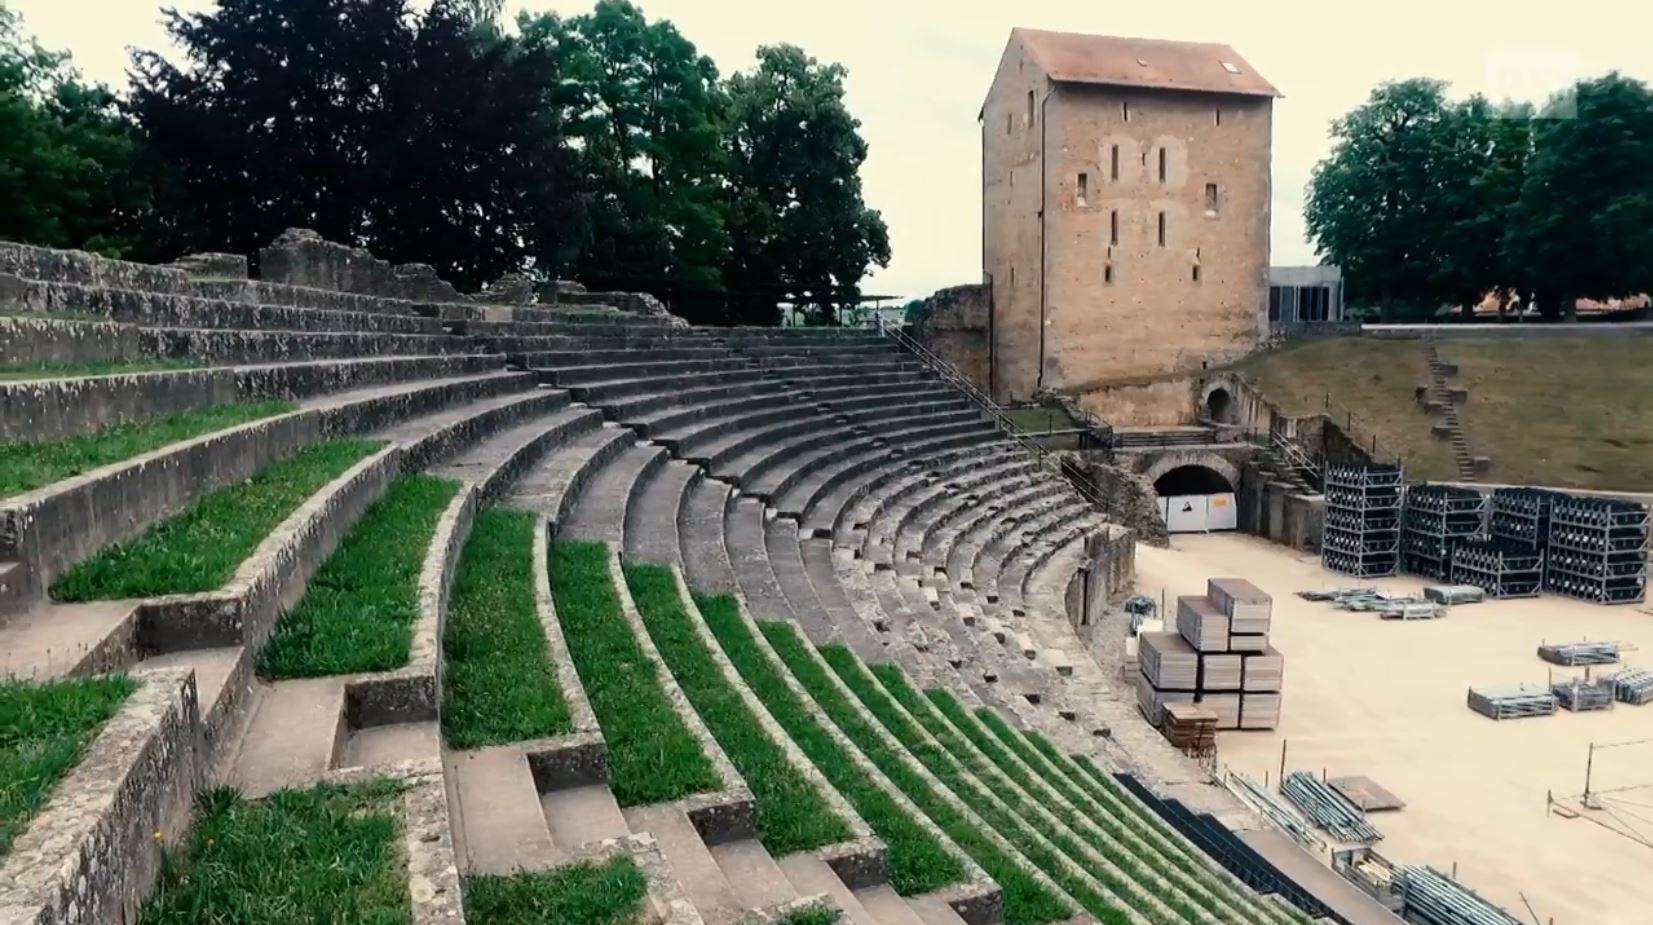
(1106, 59)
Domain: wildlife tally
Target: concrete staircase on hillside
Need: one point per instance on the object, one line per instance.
(1444, 400)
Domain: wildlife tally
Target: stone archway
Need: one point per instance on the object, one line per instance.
(1214, 463)
(1219, 407)
(1192, 480)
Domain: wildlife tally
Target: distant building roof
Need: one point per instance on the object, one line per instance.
(1107, 59)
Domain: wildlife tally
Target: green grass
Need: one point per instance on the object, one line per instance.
(199, 549)
(498, 684)
(1105, 792)
(810, 915)
(917, 863)
(1125, 884)
(44, 729)
(1101, 829)
(792, 815)
(1026, 900)
(323, 854)
(587, 893)
(28, 464)
(359, 610)
(1006, 816)
(652, 756)
(1560, 411)
(1374, 380)
(58, 369)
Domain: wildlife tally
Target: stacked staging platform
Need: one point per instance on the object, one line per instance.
(1362, 533)
(1597, 550)
(1437, 518)
(710, 625)
(1219, 658)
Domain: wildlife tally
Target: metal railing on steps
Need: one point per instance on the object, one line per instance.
(1045, 456)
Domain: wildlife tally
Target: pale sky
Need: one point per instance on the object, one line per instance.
(918, 70)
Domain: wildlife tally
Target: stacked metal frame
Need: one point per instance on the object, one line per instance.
(1597, 550)
(1499, 567)
(1437, 519)
(1361, 532)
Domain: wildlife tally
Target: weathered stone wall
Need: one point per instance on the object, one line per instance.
(301, 257)
(1277, 511)
(1087, 307)
(1164, 403)
(638, 303)
(1108, 569)
(954, 324)
(1127, 497)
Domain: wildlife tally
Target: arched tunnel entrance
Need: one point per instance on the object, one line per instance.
(1219, 407)
(1196, 499)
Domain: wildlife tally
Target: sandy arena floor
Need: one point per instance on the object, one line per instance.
(1386, 699)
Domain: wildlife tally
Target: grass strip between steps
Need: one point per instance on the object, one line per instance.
(917, 863)
(44, 729)
(982, 756)
(29, 464)
(1007, 822)
(1026, 900)
(359, 610)
(498, 683)
(811, 915)
(652, 756)
(329, 853)
(1166, 849)
(792, 815)
(200, 549)
(64, 369)
(586, 893)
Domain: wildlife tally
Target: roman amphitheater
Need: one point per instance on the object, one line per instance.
(334, 594)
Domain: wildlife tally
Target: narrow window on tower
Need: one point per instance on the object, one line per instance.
(1218, 113)
(1213, 200)
(1162, 165)
(1113, 227)
(1013, 277)
(1107, 273)
(1030, 107)
(1084, 188)
(1196, 273)
(1009, 122)
(1125, 110)
(1162, 229)
(1113, 163)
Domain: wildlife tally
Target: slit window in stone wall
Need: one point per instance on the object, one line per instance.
(1084, 188)
(1113, 163)
(1113, 227)
(1213, 199)
(1162, 229)
(1162, 161)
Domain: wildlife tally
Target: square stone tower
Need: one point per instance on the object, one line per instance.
(1125, 213)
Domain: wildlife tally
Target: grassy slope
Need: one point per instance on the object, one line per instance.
(499, 685)
(792, 816)
(360, 607)
(586, 893)
(917, 863)
(324, 854)
(44, 729)
(199, 549)
(1565, 412)
(652, 756)
(1374, 379)
(54, 369)
(28, 464)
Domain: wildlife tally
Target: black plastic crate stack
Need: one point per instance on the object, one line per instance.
(1597, 550)
(1361, 535)
(1438, 518)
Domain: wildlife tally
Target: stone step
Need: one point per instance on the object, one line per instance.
(294, 733)
(494, 463)
(498, 828)
(600, 511)
(84, 341)
(758, 882)
(744, 541)
(810, 875)
(651, 528)
(392, 744)
(613, 390)
(560, 361)
(701, 538)
(691, 862)
(581, 816)
(553, 484)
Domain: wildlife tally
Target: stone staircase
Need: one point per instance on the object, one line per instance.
(824, 479)
(1443, 401)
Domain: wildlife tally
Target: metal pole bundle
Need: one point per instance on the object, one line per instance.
(1573, 654)
(1579, 695)
(1633, 686)
(1433, 898)
(1514, 701)
(1361, 532)
(1437, 519)
(1597, 550)
(1328, 808)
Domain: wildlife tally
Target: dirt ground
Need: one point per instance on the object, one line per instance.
(1386, 699)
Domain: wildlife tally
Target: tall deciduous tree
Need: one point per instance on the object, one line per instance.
(646, 109)
(70, 175)
(1584, 225)
(424, 137)
(799, 226)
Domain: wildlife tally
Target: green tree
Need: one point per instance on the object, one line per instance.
(1583, 227)
(1479, 167)
(800, 229)
(70, 171)
(646, 108)
(426, 137)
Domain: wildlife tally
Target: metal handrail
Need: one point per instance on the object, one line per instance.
(1295, 456)
(951, 375)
